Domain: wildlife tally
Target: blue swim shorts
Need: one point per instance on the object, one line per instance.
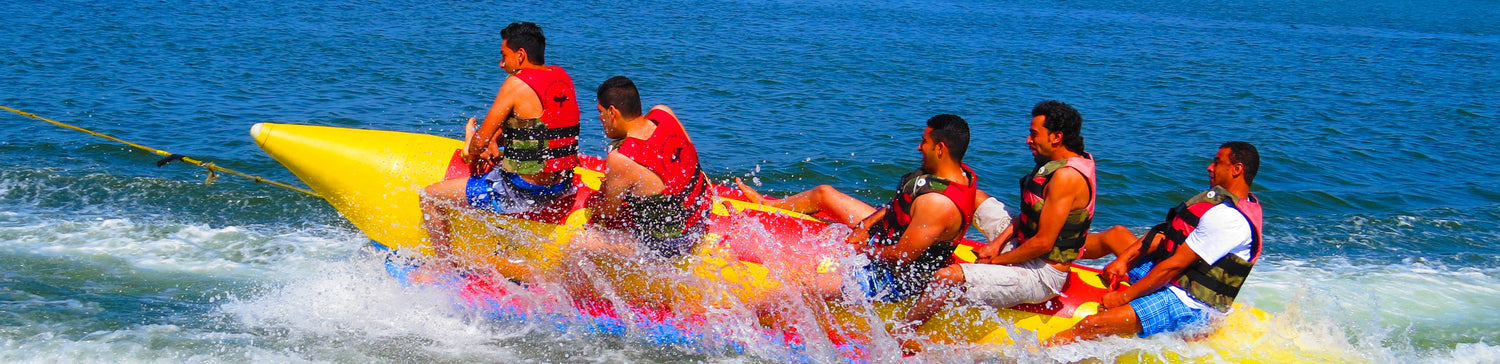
(673, 246)
(1162, 311)
(879, 283)
(506, 193)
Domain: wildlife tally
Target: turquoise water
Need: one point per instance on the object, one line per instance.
(1374, 120)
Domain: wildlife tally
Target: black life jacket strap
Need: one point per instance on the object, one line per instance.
(1069, 243)
(1145, 254)
(541, 154)
(540, 134)
(1254, 231)
(1198, 274)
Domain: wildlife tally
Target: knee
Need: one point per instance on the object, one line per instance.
(427, 204)
(824, 190)
(951, 275)
(1089, 323)
(428, 197)
(1119, 237)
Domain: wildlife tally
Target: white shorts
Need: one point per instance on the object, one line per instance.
(1009, 285)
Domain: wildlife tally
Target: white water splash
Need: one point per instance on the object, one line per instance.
(199, 249)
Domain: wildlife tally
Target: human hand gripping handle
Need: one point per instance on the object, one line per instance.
(861, 234)
(1115, 272)
(987, 252)
(858, 236)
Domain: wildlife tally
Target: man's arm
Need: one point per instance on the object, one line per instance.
(1154, 280)
(933, 217)
(489, 130)
(620, 178)
(1066, 187)
(861, 231)
(1119, 269)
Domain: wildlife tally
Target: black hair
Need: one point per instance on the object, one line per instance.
(952, 131)
(1244, 153)
(620, 92)
(528, 36)
(1059, 117)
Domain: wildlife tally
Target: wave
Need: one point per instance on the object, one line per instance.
(291, 294)
(180, 248)
(230, 201)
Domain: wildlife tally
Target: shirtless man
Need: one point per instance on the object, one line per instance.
(527, 143)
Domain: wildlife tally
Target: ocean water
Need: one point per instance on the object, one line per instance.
(1374, 120)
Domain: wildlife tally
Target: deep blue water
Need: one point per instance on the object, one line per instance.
(1374, 120)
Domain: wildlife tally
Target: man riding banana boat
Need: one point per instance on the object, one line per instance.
(542, 210)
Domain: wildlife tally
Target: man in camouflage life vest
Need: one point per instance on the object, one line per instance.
(523, 153)
(1187, 270)
(911, 237)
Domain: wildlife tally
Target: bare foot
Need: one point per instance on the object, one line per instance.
(910, 347)
(469, 130)
(750, 194)
(905, 334)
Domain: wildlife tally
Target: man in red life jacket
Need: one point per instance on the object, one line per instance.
(1188, 269)
(912, 236)
(525, 149)
(1028, 261)
(653, 186)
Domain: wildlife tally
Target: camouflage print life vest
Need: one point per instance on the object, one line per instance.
(1075, 230)
(1215, 284)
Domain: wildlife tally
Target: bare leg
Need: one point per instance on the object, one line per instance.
(751, 195)
(842, 208)
(578, 266)
(434, 199)
(939, 292)
(1116, 321)
(1116, 240)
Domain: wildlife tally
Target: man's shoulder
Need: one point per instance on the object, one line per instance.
(515, 86)
(1071, 180)
(616, 160)
(1221, 230)
(938, 205)
(1225, 215)
(1224, 222)
(1068, 172)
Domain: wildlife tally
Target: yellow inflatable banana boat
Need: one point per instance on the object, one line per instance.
(373, 178)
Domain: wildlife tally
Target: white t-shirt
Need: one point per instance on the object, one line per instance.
(1221, 231)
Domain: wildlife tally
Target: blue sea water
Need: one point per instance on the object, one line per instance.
(1374, 120)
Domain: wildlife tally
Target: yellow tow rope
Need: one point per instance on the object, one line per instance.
(212, 169)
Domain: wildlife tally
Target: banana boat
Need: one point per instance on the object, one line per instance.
(373, 179)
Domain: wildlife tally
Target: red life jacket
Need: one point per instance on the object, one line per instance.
(915, 184)
(551, 146)
(1075, 230)
(1216, 284)
(684, 204)
(915, 276)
